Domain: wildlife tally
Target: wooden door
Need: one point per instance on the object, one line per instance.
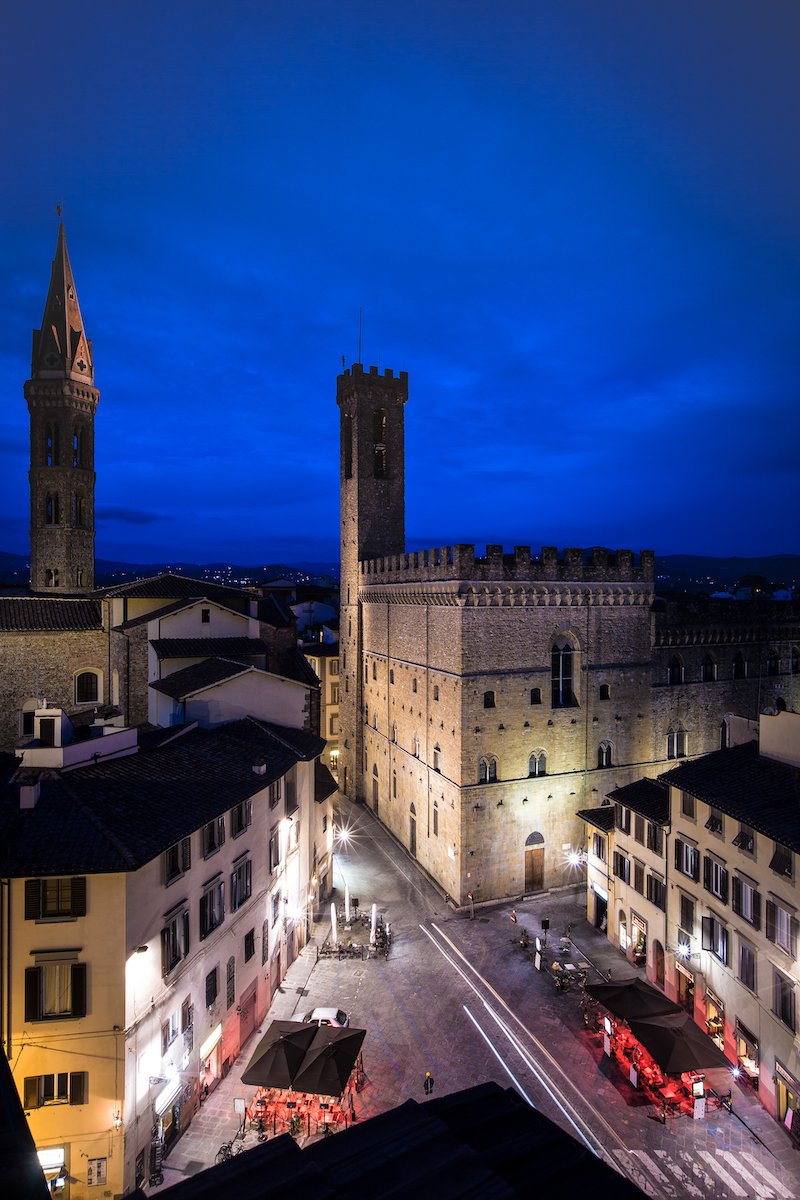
(534, 868)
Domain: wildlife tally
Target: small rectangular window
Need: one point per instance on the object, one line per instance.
(205, 616)
(249, 944)
(687, 805)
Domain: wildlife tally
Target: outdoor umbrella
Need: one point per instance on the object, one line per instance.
(631, 998)
(329, 1060)
(278, 1055)
(677, 1044)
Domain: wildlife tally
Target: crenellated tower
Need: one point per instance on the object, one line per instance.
(62, 400)
(372, 466)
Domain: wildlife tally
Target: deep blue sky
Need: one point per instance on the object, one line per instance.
(574, 222)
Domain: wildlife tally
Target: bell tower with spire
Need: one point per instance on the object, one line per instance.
(62, 400)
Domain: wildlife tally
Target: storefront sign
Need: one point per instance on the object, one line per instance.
(165, 1098)
(51, 1160)
(639, 924)
(601, 892)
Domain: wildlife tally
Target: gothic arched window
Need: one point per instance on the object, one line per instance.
(488, 699)
(561, 675)
(51, 508)
(739, 667)
(487, 770)
(51, 456)
(708, 671)
(676, 741)
(80, 510)
(675, 671)
(604, 755)
(77, 447)
(537, 764)
(773, 663)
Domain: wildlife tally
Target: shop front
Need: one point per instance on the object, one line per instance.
(55, 1165)
(715, 1019)
(210, 1062)
(600, 907)
(787, 1096)
(639, 939)
(747, 1053)
(167, 1108)
(685, 985)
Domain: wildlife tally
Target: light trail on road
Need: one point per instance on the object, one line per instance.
(505, 1066)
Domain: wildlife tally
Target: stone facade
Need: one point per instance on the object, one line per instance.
(457, 722)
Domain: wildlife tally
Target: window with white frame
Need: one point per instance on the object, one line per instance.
(241, 817)
(782, 928)
(622, 867)
(687, 860)
(213, 836)
(715, 938)
(241, 883)
(715, 879)
(655, 838)
(212, 908)
(169, 1031)
(174, 939)
(275, 849)
(747, 965)
(783, 1003)
(177, 860)
(746, 901)
(55, 988)
(599, 846)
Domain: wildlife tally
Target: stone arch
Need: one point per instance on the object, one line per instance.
(534, 839)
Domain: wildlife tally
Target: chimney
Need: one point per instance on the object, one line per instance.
(260, 767)
(29, 794)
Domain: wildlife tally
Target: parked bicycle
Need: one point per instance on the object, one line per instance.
(227, 1150)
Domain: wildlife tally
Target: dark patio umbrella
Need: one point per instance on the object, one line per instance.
(329, 1060)
(278, 1055)
(677, 1044)
(631, 998)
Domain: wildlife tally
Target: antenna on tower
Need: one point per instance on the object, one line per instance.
(359, 334)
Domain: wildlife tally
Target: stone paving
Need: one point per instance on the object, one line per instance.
(417, 1007)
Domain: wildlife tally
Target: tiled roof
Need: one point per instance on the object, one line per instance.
(295, 665)
(647, 797)
(273, 610)
(743, 784)
(226, 647)
(601, 818)
(119, 814)
(325, 785)
(155, 613)
(32, 613)
(321, 649)
(105, 712)
(197, 677)
(302, 742)
(176, 587)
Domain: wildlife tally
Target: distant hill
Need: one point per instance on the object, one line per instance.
(696, 572)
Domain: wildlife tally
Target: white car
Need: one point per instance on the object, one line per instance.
(326, 1016)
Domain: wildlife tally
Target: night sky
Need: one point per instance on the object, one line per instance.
(575, 223)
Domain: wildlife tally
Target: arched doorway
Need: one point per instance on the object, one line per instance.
(534, 862)
(623, 933)
(412, 833)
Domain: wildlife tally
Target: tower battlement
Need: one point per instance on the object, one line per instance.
(357, 375)
(595, 565)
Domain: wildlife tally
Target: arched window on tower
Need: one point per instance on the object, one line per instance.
(80, 510)
(487, 770)
(347, 438)
(51, 577)
(80, 577)
(77, 446)
(394, 732)
(604, 755)
(51, 456)
(675, 671)
(379, 442)
(51, 508)
(708, 671)
(437, 757)
(561, 675)
(739, 667)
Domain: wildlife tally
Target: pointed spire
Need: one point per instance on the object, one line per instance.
(61, 349)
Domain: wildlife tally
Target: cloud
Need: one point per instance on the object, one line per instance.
(130, 516)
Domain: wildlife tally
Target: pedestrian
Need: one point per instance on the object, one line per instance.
(428, 1083)
(471, 898)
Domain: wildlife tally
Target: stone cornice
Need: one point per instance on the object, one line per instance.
(470, 594)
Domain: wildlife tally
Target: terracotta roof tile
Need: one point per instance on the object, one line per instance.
(32, 613)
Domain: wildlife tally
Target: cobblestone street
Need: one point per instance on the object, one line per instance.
(460, 998)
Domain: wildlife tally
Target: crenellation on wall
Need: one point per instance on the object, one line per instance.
(597, 565)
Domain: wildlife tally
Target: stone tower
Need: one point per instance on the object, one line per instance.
(372, 465)
(62, 400)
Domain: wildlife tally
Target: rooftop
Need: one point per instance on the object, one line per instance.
(647, 797)
(31, 613)
(225, 647)
(602, 818)
(741, 783)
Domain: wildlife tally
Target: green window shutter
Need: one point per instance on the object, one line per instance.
(78, 897)
(33, 994)
(31, 1090)
(79, 992)
(78, 1087)
(33, 900)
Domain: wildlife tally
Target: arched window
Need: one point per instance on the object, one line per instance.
(437, 753)
(51, 456)
(77, 447)
(436, 691)
(795, 660)
(488, 699)
(708, 671)
(347, 440)
(379, 442)
(394, 785)
(773, 663)
(780, 704)
(436, 818)
(80, 577)
(51, 508)
(739, 667)
(487, 770)
(366, 672)
(391, 676)
(375, 718)
(676, 741)
(561, 675)
(416, 746)
(675, 671)
(605, 691)
(537, 764)
(80, 509)
(604, 755)
(51, 577)
(536, 695)
(658, 963)
(231, 982)
(414, 685)
(87, 690)
(374, 670)
(394, 732)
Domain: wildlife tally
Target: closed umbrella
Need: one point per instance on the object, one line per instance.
(329, 1061)
(279, 1054)
(630, 998)
(677, 1044)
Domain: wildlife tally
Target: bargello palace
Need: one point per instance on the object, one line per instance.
(484, 700)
